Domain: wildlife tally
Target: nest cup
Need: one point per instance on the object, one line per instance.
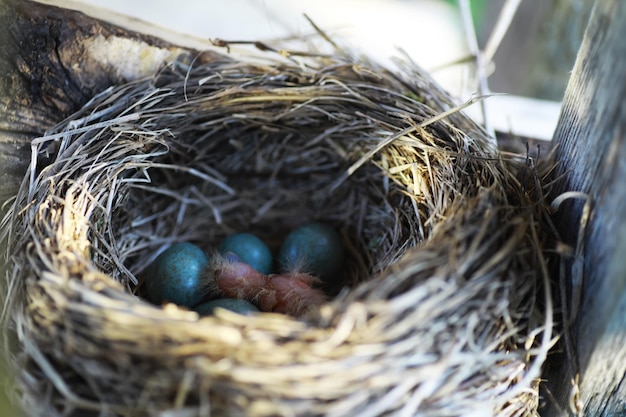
(436, 313)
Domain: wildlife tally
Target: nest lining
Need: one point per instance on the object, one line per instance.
(436, 313)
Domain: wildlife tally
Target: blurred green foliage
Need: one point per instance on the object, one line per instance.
(478, 8)
(6, 409)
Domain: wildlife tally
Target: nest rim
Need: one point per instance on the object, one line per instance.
(328, 332)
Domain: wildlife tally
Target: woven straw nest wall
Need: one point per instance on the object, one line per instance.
(442, 307)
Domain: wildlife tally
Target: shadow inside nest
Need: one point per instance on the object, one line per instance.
(229, 148)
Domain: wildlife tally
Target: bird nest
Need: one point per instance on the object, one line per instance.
(442, 308)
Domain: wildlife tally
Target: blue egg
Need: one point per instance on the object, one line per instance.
(250, 249)
(314, 248)
(175, 275)
(232, 304)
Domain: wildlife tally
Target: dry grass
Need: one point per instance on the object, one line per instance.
(443, 309)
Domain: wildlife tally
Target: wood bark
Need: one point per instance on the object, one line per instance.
(52, 61)
(591, 151)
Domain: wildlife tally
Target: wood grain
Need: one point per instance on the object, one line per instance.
(592, 152)
(52, 61)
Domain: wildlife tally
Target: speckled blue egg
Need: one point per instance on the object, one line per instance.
(314, 248)
(175, 275)
(250, 249)
(232, 304)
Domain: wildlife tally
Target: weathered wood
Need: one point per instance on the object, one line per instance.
(591, 140)
(52, 61)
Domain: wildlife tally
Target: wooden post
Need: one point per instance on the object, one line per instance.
(591, 141)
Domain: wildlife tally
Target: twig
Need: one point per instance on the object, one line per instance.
(501, 28)
(472, 43)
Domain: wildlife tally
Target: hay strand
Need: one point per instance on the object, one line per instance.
(444, 306)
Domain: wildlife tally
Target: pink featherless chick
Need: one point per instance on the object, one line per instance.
(289, 293)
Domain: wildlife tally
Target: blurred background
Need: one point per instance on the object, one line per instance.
(427, 30)
(533, 60)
